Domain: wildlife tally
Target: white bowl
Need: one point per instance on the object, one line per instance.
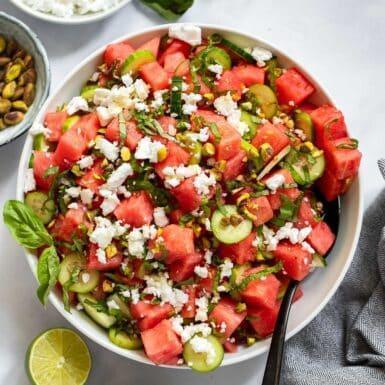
(318, 288)
(75, 19)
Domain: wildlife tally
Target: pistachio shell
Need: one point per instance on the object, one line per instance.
(19, 105)
(12, 118)
(13, 72)
(9, 90)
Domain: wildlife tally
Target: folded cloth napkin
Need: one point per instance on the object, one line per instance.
(345, 343)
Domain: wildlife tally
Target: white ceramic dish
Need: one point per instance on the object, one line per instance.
(76, 19)
(318, 288)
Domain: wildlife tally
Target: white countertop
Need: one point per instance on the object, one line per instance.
(343, 45)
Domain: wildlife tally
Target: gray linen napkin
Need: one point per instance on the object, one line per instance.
(345, 343)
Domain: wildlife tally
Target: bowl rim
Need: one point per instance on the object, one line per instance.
(230, 359)
(73, 20)
(39, 47)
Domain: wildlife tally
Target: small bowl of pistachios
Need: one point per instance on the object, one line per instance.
(25, 77)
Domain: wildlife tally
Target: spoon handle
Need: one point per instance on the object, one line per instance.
(272, 374)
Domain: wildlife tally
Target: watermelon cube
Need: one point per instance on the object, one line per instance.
(260, 210)
(88, 125)
(155, 75)
(331, 187)
(42, 161)
(176, 156)
(249, 74)
(54, 121)
(161, 343)
(136, 211)
(172, 61)
(235, 166)
(261, 292)
(321, 238)
(183, 268)
(224, 313)
(269, 133)
(92, 178)
(151, 45)
(175, 46)
(188, 310)
(178, 242)
(133, 135)
(306, 215)
(240, 252)
(296, 261)
(206, 285)
(93, 262)
(292, 86)
(67, 226)
(149, 315)
(187, 195)
(70, 149)
(229, 81)
(230, 142)
(263, 319)
(117, 53)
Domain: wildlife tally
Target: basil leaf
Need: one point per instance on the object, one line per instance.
(25, 226)
(66, 288)
(169, 9)
(47, 272)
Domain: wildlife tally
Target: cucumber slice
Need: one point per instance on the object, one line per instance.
(318, 261)
(252, 121)
(103, 319)
(302, 121)
(124, 340)
(136, 60)
(305, 167)
(88, 92)
(123, 306)
(41, 205)
(200, 362)
(87, 279)
(69, 122)
(40, 143)
(242, 53)
(176, 95)
(227, 232)
(215, 55)
(264, 98)
(277, 158)
(235, 279)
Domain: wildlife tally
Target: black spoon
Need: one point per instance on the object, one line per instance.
(272, 374)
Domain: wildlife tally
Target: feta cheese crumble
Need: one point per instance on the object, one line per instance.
(201, 271)
(203, 182)
(261, 55)
(203, 345)
(76, 104)
(190, 102)
(108, 149)
(38, 128)
(189, 33)
(160, 217)
(86, 162)
(148, 149)
(226, 269)
(188, 331)
(29, 181)
(138, 237)
(202, 305)
(105, 231)
(215, 68)
(275, 182)
(118, 176)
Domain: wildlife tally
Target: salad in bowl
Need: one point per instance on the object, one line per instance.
(174, 198)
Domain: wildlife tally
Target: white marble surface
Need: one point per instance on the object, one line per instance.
(342, 43)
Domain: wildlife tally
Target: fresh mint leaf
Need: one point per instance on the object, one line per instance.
(169, 9)
(25, 226)
(47, 272)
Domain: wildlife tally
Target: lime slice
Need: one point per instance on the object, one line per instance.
(58, 357)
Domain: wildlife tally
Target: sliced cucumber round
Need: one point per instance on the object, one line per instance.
(123, 306)
(124, 340)
(229, 226)
(136, 60)
(202, 362)
(103, 319)
(302, 121)
(252, 121)
(264, 98)
(88, 92)
(87, 279)
(215, 55)
(40, 143)
(69, 122)
(305, 168)
(41, 205)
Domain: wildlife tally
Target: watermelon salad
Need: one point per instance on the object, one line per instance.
(183, 188)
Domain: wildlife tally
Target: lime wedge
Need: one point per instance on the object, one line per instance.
(58, 357)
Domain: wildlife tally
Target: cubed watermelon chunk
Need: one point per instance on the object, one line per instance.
(151, 45)
(117, 53)
(249, 74)
(240, 252)
(149, 315)
(136, 211)
(321, 238)
(229, 81)
(260, 209)
(189, 310)
(93, 262)
(176, 250)
(292, 86)
(235, 166)
(263, 319)
(206, 285)
(168, 123)
(155, 75)
(230, 142)
(183, 268)
(54, 121)
(261, 292)
(176, 156)
(306, 215)
(269, 133)
(161, 343)
(296, 261)
(187, 195)
(67, 226)
(225, 312)
(175, 46)
(88, 125)
(92, 178)
(172, 61)
(42, 161)
(133, 135)
(70, 149)
(331, 187)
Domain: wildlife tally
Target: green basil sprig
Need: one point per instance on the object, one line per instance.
(47, 272)
(25, 226)
(169, 9)
(29, 231)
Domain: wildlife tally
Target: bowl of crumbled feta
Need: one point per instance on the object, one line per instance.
(70, 11)
(160, 171)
